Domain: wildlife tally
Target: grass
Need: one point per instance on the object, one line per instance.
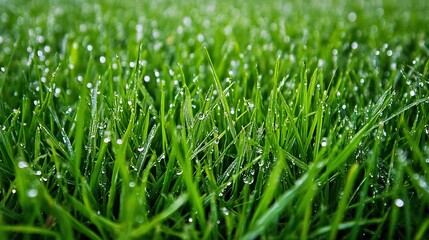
(214, 120)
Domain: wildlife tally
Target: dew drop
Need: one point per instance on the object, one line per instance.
(200, 116)
(22, 164)
(399, 202)
(389, 53)
(32, 193)
(352, 16)
(248, 179)
(324, 142)
(225, 211)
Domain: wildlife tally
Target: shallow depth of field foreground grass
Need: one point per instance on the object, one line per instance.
(214, 119)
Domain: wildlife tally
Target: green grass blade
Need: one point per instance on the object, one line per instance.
(342, 207)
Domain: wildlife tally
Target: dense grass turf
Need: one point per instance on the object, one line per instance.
(214, 119)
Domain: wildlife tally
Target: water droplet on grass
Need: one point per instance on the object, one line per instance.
(248, 179)
(225, 211)
(352, 16)
(324, 142)
(32, 193)
(22, 164)
(422, 183)
(399, 202)
(107, 140)
(200, 116)
(389, 53)
(139, 219)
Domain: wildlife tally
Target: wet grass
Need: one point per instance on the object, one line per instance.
(214, 120)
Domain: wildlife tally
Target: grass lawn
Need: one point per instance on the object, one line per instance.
(203, 119)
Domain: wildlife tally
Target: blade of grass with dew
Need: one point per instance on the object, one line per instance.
(181, 150)
(223, 99)
(187, 104)
(307, 205)
(146, 146)
(145, 228)
(342, 207)
(268, 194)
(80, 119)
(370, 169)
(119, 168)
(342, 156)
(272, 213)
